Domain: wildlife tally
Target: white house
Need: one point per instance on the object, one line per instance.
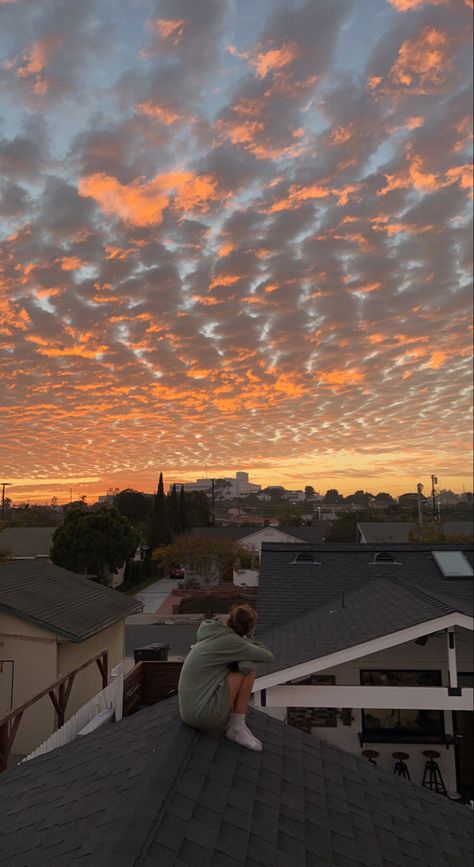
(373, 652)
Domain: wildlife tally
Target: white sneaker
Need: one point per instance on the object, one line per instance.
(245, 738)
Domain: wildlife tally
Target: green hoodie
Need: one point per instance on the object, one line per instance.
(204, 700)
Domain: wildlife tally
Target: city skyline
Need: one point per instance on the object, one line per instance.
(235, 235)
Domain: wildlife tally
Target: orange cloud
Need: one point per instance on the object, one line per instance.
(415, 176)
(225, 280)
(437, 360)
(225, 249)
(422, 61)
(32, 61)
(170, 29)
(142, 203)
(12, 317)
(298, 195)
(238, 133)
(159, 112)
(341, 377)
(70, 263)
(411, 5)
(275, 58)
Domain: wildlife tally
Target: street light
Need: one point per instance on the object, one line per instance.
(4, 485)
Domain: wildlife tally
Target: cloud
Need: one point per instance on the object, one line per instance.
(257, 258)
(142, 203)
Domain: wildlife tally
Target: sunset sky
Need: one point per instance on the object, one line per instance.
(235, 235)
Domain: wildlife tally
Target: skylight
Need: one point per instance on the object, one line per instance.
(453, 564)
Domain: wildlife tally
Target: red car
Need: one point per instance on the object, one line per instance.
(177, 572)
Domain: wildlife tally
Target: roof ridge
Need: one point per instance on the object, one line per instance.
(414, 590)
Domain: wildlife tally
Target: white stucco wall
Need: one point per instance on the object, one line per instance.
(408, 656)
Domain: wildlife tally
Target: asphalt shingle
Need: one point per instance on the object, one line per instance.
(60, 601)
(299, 803)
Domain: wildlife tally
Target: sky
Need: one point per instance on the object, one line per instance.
(235, 236)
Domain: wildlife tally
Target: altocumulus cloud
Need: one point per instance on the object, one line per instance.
(229, 238)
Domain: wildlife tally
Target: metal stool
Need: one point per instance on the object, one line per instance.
(401, 769)
(371, 755)
(432, 778)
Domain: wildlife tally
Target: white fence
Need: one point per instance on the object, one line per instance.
(109, 698)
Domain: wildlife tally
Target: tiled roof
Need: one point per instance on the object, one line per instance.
(60, 601)
(27, 541)
(150, 792)
(288, 589)
(312, 534)
(399, 531)
(375, 608)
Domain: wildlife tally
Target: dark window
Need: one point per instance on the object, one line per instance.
(304, 557)
(306, 718)
(424, 726)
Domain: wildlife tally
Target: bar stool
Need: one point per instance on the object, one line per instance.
(371, 755)
(401, 768)
(432, 778)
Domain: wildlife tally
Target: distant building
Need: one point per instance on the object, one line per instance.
(226, 488)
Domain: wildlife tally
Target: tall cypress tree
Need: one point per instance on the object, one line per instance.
(183, 512)
(173, 512)
(160, 529)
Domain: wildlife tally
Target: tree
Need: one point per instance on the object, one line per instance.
(332, 497)
(173, 512)
(435, 532)
(290, 515)
(133, 504)
(359, 498)
(183, 511)
(95, 542)
(309, 492)
(198, 512)
(344, 527)
(160, 529)
(209, 559)
(383, 497)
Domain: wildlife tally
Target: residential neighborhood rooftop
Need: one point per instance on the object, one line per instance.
(152, 791)
(313, 534)
(63, 602)
(294, 579)
(27, 541)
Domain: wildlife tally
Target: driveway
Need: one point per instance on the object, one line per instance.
(154, 595)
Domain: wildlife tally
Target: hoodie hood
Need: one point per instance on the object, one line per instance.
(210, 628)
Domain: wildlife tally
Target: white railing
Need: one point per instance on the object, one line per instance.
(109, 698)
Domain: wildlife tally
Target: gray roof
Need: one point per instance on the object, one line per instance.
(375, 608)
(288, 589)
(399, 531)
(27, 541)
(313, 534)
(151, 792)
(70, 605)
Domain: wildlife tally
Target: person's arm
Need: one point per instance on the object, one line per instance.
(248, 650)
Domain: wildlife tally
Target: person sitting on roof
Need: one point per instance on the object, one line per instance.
(218, 674)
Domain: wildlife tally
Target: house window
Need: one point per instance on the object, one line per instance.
(306, 718)
(402, 724)
(304, 557)
(385, 557)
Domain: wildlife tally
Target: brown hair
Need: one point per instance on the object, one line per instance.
(242, 619)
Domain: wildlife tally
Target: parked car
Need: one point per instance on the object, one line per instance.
(177, 572)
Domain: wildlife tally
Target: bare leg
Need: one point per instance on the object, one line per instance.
(240, 688)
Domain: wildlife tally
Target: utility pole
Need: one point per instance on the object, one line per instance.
(213, 514)
(4, 485)
(434, 481)
(419, 489)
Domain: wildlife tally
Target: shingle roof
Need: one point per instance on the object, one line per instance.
(288, 589)
(60, 601)
(312, 534)
(375, 608)
(399, 531)
(27, 541)
(151, 792)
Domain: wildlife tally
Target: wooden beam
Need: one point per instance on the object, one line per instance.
(416, 698)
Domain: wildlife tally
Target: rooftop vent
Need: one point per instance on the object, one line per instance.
(453, 564)
(385, 557)
(305, 557)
